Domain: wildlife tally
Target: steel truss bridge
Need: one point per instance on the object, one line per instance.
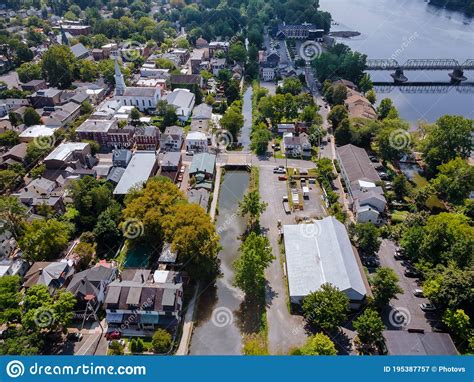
(419, 64)
(424, 87)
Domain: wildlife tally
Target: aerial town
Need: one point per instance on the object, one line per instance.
(218, 177)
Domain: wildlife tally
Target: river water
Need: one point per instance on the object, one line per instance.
(218, 317)
(410, 29)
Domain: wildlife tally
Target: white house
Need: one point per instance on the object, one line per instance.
(196, 141)
(183, 101)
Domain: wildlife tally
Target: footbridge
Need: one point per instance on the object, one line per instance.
(457, 69)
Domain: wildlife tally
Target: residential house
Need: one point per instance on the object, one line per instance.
(172, 139)
(186, 81)
(70, 154)
(89, 288)
(216, 46)
(203, 169)
(359, 106)
(63, 115)
(296, 145)
(147, 137)
(42, 192)
(217, 64)
(16, 154)
(34, 86)
(121, 157)
(182, 54)
(201, 117)
(323, 256)
(197, 58)
(121, 137)
(359, 175)
(267, 72)
(183, 101)
(49, 97)
(303, 31)
(79, 51)
(54, 275)
(285, 128)
(141, 301)
(201, 43)
(170, 164)
(36, 132)
(196, 141)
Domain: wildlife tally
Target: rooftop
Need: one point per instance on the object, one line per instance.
(319, 253)
(357, 164)
(139, 170)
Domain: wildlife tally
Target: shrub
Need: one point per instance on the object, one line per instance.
(161, 341)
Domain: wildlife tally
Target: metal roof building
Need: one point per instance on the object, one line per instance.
(320, 253)
(142, 166)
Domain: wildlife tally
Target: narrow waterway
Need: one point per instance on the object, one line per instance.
(410, 29)
(247, 113)
(217, 327)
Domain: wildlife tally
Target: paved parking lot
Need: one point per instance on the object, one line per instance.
(285, 330)
(405, 302)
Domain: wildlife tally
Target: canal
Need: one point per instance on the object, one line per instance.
(247, 113)
(410, 29)
(217, 323)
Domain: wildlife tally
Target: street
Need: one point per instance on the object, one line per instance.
(406, 303)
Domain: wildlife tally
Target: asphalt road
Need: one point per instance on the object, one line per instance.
(406, 303)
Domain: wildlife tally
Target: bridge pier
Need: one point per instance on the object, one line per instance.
(398, 76)
(457, 75)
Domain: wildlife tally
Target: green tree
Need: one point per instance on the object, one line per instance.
(343, 133)
(384, 286)
(393, 140)
(450, 287)
(367, 236)
(170, 117)
(38, 171)
(161, 341)
(371, 96)
(339, 94)
(458, 323)
(116, 348)
(326, 308)
(448, 138)
(88, 70)
(9, 138)
(252, 206)
(443, 238)
(384, 108)
(292, 85)
(9, 298)
(319, 344)
(337, 114)
(31, 117)
(455, 181)
(135, 116)
(255, 257)
(369, 327)
(238, 53)
(12, 215)
(232, 121)
(58, 66)
(401, 186)
(260, 138)
(44, 239)
(29, 71)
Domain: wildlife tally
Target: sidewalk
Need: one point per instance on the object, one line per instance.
(188, 325)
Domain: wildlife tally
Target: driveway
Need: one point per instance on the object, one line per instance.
(406, 303)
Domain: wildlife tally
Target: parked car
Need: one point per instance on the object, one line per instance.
(399, 256)
(418, 293)
(114, 335)
(373, 158)
(74, 337)
(427, 307)
(190, 153)
(282, 178)
(411, 272)
(370, 262)
(407, 264)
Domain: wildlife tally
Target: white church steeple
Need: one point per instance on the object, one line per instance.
(119, 81)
